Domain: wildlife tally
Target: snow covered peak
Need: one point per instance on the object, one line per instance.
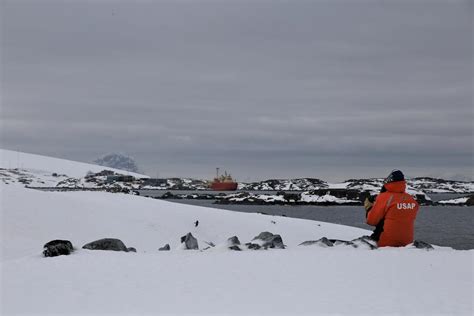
(19, 160)
(118, 161)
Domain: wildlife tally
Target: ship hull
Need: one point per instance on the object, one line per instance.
(224, 186)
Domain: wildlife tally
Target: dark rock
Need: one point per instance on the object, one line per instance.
(270, 240)
(263, 236)
(422, 245)
(234, 240)
(210, 245)
(190, 242)
(364, 242)
(169, 195)
(470, 200)
(275, 242)
(290, 196)
(233, 243)
(131, 249)
(57, 248)
(284, 184)
(320, 242)
(246, 198)
(361, 242)
(165, 248)
(253, 246)
(107, 244)
(338, 242)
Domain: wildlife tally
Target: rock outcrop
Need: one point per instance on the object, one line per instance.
(361, 242)
(233, 243)
(470, 200)
(189, 242)
(108, 244)
(422, 245)
(165, 248)
(266, 240)
(57, 248)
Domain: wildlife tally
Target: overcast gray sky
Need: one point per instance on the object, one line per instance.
(264, 89)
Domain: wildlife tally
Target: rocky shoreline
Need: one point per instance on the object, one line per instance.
(304, 191)
(322, 197)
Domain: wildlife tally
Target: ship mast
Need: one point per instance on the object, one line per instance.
(217, 173)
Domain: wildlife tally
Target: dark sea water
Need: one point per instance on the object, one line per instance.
(440, 225)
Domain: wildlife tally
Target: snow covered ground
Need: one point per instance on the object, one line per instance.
(297, 280)
(310, 280)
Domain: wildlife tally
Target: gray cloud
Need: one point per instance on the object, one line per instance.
(331, 89)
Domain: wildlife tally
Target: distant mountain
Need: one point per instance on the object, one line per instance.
(118, 161)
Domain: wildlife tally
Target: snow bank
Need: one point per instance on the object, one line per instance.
(327, 198)
(31, 218)
(458, 201)
(14, 159)
(299, 280)
(278, 282)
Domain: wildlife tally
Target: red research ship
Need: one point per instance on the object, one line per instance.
(223, 182)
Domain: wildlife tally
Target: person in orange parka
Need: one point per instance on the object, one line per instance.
(393, 213)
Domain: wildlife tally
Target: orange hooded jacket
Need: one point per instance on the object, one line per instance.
(398, 210)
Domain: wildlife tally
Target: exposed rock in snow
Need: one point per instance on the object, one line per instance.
(373, 186)
(253, 246)
(284, 185)
(148, 282)
(425, 184)
(470, 200)
(268, 240)
(195, 196)
(304, 198)
(34, 178)
(233, 243)
(165, 248)
(189, 242)
(57, 248)
(323, 242)
(364, 242)
(174, 184)
(422, 245)
(436, 185)
(108, 244)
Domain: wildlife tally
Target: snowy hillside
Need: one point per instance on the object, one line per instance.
(310, 280)
(42, 164)
(341, 280)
